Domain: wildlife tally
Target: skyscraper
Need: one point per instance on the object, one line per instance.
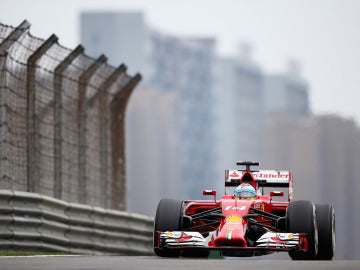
(240, 108)
(185, 65)
(122, 36)
(152, 144)
(286, 93)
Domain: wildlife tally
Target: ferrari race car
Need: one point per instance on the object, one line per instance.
(246, 227)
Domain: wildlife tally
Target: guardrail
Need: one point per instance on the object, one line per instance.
(33, 222)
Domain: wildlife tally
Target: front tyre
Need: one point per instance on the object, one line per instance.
(301, 218)
(325, 217)
(167, 218)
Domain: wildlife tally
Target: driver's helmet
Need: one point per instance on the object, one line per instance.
(245, 191)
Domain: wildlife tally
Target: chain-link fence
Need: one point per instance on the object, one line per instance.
(61, 120)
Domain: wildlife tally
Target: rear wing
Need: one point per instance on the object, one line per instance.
(263, 178)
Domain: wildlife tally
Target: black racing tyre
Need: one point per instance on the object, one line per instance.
(301, 218)
(325, 217)
(167, 218)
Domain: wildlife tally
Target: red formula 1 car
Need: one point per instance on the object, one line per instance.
(246, 227)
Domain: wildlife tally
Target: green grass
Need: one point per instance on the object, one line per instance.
(214, 254)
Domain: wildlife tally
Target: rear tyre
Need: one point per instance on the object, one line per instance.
(167, 218)
(301, 218)
(325, 217)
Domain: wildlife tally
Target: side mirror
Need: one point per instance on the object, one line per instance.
(276, 193)
(210, 192)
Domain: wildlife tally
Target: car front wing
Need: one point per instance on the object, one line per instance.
(270, 241)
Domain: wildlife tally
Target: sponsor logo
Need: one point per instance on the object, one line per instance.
(274, 175)
(285, 236)
(184, 237)
(241, 208)
(282, 237)
(234, 174)
(233, 219)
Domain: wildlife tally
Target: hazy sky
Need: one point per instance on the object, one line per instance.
(322, 35)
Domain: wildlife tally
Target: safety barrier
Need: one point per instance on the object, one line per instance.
(33, 222)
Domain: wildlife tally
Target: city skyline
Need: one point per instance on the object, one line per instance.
(321, 36)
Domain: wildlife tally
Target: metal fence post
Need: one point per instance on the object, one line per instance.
(105, 132)
(32, 118)
(81, 119)
(14, 36)
(58, 118)
(118, 109)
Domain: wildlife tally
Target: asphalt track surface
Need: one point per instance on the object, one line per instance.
(152, 263)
